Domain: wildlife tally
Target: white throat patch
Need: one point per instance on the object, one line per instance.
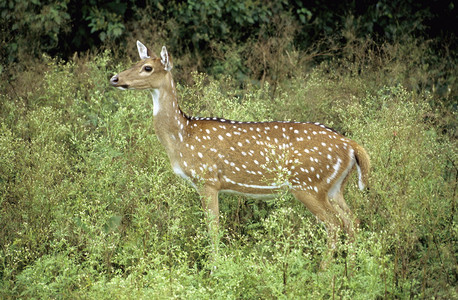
(156, 105)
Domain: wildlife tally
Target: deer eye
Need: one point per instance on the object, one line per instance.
(148, 68)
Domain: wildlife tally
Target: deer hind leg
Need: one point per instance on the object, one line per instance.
(350, 223)
(320, 206)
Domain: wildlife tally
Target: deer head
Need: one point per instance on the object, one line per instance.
(148, 73)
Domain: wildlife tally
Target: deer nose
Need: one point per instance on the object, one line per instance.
(114, 80)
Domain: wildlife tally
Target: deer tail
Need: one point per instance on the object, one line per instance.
(363, 166)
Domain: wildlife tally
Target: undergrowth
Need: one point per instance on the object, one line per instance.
(90, 207)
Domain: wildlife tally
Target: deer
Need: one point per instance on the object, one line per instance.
(216, 155)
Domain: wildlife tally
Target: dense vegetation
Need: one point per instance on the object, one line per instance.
(90, 208)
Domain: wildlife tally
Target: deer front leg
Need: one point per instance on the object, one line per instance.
(210, 206)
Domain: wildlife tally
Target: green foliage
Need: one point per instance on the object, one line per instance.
(33, 26)
(90, 208)
(108, 24)
(29, 28)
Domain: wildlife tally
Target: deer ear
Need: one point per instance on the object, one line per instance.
(143, 51)
(166, 59)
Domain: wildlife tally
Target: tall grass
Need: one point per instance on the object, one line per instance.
(90, 207)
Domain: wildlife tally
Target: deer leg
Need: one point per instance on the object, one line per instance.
(351, 223)
(209, 198)
(320, 206)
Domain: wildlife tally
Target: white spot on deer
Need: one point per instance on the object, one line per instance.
(239, 144)
(220, 137)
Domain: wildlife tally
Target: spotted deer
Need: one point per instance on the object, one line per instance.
(217, 155)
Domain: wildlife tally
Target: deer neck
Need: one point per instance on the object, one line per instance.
(169, 121)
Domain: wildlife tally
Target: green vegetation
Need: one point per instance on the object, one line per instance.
(90, 208)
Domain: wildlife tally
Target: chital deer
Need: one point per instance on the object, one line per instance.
(218, 155)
